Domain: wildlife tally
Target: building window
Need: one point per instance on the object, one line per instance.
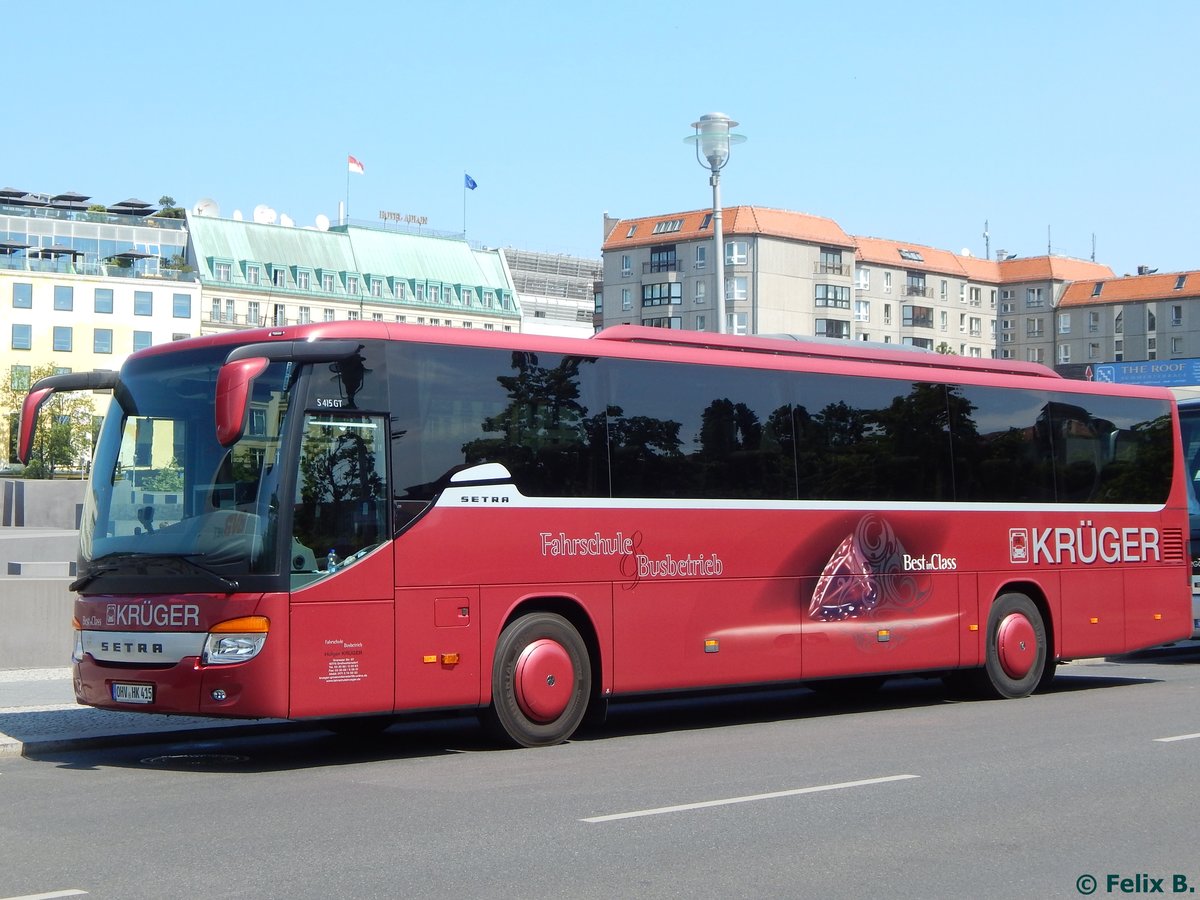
(230, 315)
(181, 306)
(917, 316)
(22, 337)
(945, 287)
(887, 282)
(221, 271)
(143, 303)
(489, 299)
(420, 293)
(179, 336)
(1034, 299)
(862, 310)
(626, 298)
(352, 284)
(737, 323)
(102, 340)
(279, 277)
(280, 314)
(864, 279)
(666, 293)
(1093, 321)
(19, 378)
(1064, 354)
(662, 259)
(976, 296)
(435, 293)
(626, 264)
(142, 340)
(352, 315)
(63, 338)
(736, 288)
(1176, 314)
(398, 290)
(1034, 327)
(701, 256)
(701, 323)
(252, 314)
(915, 285)
(833, 295)
(1093, 351)
(1176, 346)
(64, 297)
(328, 314)
(252, 276)
(736, 253)
(833, 328)
(376, 287)
(303, 279)
(327, 283)
(305, 315)
(22, 297)
(830, 262)
(1064, 323)
(701, 287)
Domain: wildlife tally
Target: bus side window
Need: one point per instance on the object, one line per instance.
(341, 502)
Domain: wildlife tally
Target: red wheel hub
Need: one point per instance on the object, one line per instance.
(544, 679)
(1016, 645)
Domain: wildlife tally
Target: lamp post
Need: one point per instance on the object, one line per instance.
(712, 139)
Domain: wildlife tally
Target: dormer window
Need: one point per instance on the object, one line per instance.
(1099, 286)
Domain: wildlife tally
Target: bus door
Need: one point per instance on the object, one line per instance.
(342, 610)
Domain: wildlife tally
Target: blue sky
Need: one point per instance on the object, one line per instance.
(1052, 121)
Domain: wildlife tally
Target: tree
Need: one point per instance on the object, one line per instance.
(169, 209)
(64, 432)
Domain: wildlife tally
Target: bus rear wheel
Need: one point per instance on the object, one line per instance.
(541, 681)
(1016, 648)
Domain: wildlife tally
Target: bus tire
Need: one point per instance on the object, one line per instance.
(541, 681)
(1016, 648)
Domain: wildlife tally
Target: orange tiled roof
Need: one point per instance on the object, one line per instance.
(1131, 288)
(1050, 268)
(889, 253)
(735, 220)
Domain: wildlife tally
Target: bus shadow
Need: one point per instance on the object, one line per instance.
(309, 745)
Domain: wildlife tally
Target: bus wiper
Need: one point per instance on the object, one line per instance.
(89, 576)
(229, 585)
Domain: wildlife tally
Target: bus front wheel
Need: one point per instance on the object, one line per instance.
(541, 681)
(1016, 648)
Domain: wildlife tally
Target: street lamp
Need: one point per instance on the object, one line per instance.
(713, 138)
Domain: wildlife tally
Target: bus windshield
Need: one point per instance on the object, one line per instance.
(166, 494)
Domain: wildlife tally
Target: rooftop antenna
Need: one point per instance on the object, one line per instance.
(1049, 251)
(987, 241)
(1093, 246)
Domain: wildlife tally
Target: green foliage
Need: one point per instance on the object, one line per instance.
(64, 426)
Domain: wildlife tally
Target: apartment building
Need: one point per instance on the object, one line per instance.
(1149, 316)
(789, 272)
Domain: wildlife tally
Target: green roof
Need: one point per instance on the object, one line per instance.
(367, 252)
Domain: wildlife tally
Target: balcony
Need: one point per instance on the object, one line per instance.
(916, 290)
(655, 267)
(828, 268)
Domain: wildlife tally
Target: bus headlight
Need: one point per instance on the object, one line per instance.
(77, 653)
(236, 640)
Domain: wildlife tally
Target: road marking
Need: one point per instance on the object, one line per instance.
(1178, 737)
(662, 810)
(50, 896)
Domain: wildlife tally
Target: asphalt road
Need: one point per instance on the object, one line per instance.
(911, 794)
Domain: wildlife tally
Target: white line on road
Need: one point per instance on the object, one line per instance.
(662, 810)
(50, 896)
(1178, 737)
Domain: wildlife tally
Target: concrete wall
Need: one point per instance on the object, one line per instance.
(39, 541)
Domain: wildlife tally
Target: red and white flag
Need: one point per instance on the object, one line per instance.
(354, 165)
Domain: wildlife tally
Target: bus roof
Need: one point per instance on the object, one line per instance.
(797, 345)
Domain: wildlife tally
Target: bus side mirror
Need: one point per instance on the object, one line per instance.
(43, 389)
(233, 393)
(29, 413)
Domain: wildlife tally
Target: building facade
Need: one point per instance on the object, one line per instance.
(555, 292)
(82, 286)
(253, 274)
(792, 273)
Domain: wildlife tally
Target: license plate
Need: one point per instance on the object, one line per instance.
(133, 693)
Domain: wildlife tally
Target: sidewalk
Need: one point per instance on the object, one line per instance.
(38, 713)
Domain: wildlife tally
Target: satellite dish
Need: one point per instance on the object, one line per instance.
(206, 208)
(237, 215)
(322, 222)
(966, 251)
(286, 221)
(264, 215)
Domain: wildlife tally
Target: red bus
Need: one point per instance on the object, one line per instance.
(364, 520)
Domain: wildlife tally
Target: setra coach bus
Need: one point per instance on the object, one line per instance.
(360, 519)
